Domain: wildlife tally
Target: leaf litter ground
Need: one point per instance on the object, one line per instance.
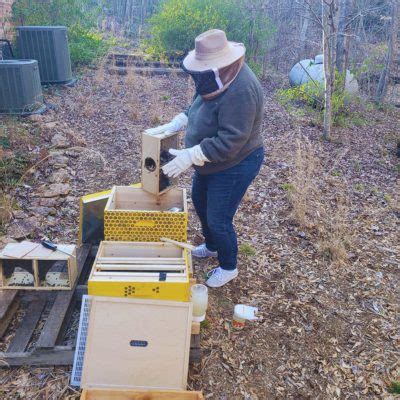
(328, 326)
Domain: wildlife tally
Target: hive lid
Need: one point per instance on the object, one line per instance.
(135, 343)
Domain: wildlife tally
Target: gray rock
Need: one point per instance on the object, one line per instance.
(23, 228)
(60, 141)
(59, 159)
(19, 214)
(44, 211)
(59, 176)
(50, 202)
(55, 190)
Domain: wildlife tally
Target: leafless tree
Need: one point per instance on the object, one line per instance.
(392, 46)
(330, 21)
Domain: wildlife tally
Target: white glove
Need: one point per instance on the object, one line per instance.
(178, 122)
(184, 160)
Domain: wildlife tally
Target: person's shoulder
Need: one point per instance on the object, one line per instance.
(246, 81)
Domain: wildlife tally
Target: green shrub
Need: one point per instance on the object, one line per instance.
(79, 16)
(86, 46)
(173, 28)
(311, 94)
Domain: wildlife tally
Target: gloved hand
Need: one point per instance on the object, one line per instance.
(184, 160)
(178, 122)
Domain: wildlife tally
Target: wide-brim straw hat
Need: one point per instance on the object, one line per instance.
(213, 50)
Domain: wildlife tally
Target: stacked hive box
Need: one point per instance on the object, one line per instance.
(141, 216)
(141, 270)
(132, 214)
(136, 270)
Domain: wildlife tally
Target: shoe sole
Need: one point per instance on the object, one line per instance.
(223, 283)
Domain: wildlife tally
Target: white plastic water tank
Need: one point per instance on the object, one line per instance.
(313, 70)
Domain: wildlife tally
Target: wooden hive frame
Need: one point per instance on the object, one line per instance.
(34, 253)
(142, 270)
(132, 214)
(154, 156)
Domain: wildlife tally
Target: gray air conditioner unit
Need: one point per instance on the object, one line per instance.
(48, 45)
(20, 88)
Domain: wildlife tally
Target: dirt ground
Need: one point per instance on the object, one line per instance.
(319, 251)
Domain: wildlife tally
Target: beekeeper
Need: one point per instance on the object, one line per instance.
(223, 142)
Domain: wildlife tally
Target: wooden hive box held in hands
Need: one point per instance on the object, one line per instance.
(132, 214)
(137, 344)
(29, 265)
(141, 270)
(154, 156)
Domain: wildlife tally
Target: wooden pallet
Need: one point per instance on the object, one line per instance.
(47, 349)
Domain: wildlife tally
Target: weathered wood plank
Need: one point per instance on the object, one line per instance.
(60, 355)
(7, 317)
(6, 299)
(146, 71)
(51, 330)
(194, 356)
(28, 324)
(195, 341)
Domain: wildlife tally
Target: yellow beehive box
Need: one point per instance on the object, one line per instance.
(132, 214)
(143, 270)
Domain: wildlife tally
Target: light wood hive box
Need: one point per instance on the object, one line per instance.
(144, 270)
(128, 394)
(132, 214)
(137, 344)
(154, 156)
(40, 262)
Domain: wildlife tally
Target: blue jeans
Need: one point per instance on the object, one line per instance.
(216, 198)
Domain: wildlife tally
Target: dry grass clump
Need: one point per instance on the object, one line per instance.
(6, 209)
(320, 203)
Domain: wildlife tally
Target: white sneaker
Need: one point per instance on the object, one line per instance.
(202, 252)
(217, 277)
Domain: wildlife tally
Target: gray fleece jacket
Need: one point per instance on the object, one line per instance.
(228, 128)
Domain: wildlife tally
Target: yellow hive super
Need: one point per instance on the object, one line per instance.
(141, 270)
(132, 214)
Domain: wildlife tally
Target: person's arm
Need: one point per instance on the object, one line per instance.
(236, 117)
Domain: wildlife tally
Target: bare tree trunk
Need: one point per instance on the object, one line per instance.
(342, 29)
(305, 20)
(327, 69)
(392, 44)
(330, 19)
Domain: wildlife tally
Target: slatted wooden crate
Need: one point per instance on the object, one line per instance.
(132, 214)
(28, 265)
(144, 270)
(128, 394)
